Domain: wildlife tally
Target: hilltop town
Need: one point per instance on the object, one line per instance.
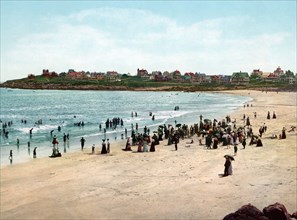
(156, 80)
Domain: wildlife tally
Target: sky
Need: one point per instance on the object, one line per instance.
(212, 37)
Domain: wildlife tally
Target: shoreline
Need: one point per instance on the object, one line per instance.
(20, 153)
(169, 184)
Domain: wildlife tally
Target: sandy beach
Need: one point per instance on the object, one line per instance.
(165, 184)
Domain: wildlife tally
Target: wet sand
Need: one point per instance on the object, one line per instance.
(166, 184)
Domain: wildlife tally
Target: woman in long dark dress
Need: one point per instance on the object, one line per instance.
(284, 133)
(227, 165)
(103, 150)
(152, 148)
(215, 143)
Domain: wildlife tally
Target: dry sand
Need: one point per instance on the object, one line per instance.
(166, 184)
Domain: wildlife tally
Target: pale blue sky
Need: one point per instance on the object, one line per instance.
(215, 37)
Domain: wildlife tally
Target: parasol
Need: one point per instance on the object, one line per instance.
(228, 156)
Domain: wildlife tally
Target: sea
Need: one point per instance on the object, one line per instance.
(46, 110)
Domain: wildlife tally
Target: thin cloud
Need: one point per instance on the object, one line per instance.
(125, 39)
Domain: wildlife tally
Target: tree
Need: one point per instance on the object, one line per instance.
(289, 73)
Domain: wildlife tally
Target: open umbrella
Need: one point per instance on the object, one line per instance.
(177, 125)
(228, 156)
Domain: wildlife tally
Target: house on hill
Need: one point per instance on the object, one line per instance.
(76, 75)
(176, 75)
(31, 76)
(240, 78)
(278, 72)
(200, 77)
(48, 74)
(112, 75)
(257, 72)
(142, 73)
(189, 76)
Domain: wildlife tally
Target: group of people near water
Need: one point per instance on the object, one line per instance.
(224, 132)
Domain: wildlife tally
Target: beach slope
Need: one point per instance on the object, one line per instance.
(166, 184)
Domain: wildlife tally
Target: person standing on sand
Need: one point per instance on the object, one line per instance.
(227, 165)
(34, 152)
(235, 148)
(93, 148)
(10, 156)
(152, 148)
(284, 133)
(244, 142)
(175, 138)
(82, 143)
(103, 150)
(108, 146)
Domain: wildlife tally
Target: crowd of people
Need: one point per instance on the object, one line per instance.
(213, 133)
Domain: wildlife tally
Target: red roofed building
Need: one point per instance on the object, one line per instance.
(76, 75)
(176, 75)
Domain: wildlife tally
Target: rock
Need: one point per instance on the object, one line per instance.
(276, 211)
(294, 215)
(246, 212)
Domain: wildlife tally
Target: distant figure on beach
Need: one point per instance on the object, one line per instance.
(145, 147)
(268, 115)
(284, 136)
(128, 145)
(64, 137)
(244, 142)
(103, 150)
(108, 146)
(228, 166)
(18, 142)
(93, 148)
(82, 143)
(153, 118)
(152, 148)
(248, 123)
(274, 115)
(30, 132)
(235, 149)
(55, 141)
(175, 139)
(34, 152)
(259, 142)
(52, 132)
(10, 156)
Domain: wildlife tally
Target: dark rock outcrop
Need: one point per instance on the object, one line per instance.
(246, 212)
(276, 211)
